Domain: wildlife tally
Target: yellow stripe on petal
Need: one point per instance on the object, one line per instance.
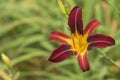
(83, 62)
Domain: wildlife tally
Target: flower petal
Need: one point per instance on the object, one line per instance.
(61, 53)
(91, 27)
(60, 37)
(75, 20)
(100, 38)
(83, 62)
(100, 41)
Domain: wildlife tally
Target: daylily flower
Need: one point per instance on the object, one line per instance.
(80, 41)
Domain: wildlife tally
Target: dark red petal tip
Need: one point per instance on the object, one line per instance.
(59, 36)
(75, 20)
(91, 27)
(100, 41)
(61, 53)
(83, 62)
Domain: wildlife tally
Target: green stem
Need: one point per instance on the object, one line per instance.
(116, 9)
(109, 59)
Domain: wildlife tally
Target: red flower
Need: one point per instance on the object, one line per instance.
(80, 40)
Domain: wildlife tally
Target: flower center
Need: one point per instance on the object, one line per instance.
(80, 43)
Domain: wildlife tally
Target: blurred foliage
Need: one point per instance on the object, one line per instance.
(25, 26)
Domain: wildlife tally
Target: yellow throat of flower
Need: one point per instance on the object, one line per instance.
(79, 43)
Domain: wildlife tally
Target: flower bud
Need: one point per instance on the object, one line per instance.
(62, 7)
(6, 60)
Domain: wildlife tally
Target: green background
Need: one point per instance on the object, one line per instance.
(25, 26)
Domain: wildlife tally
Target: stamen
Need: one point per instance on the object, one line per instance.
(80, 43)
